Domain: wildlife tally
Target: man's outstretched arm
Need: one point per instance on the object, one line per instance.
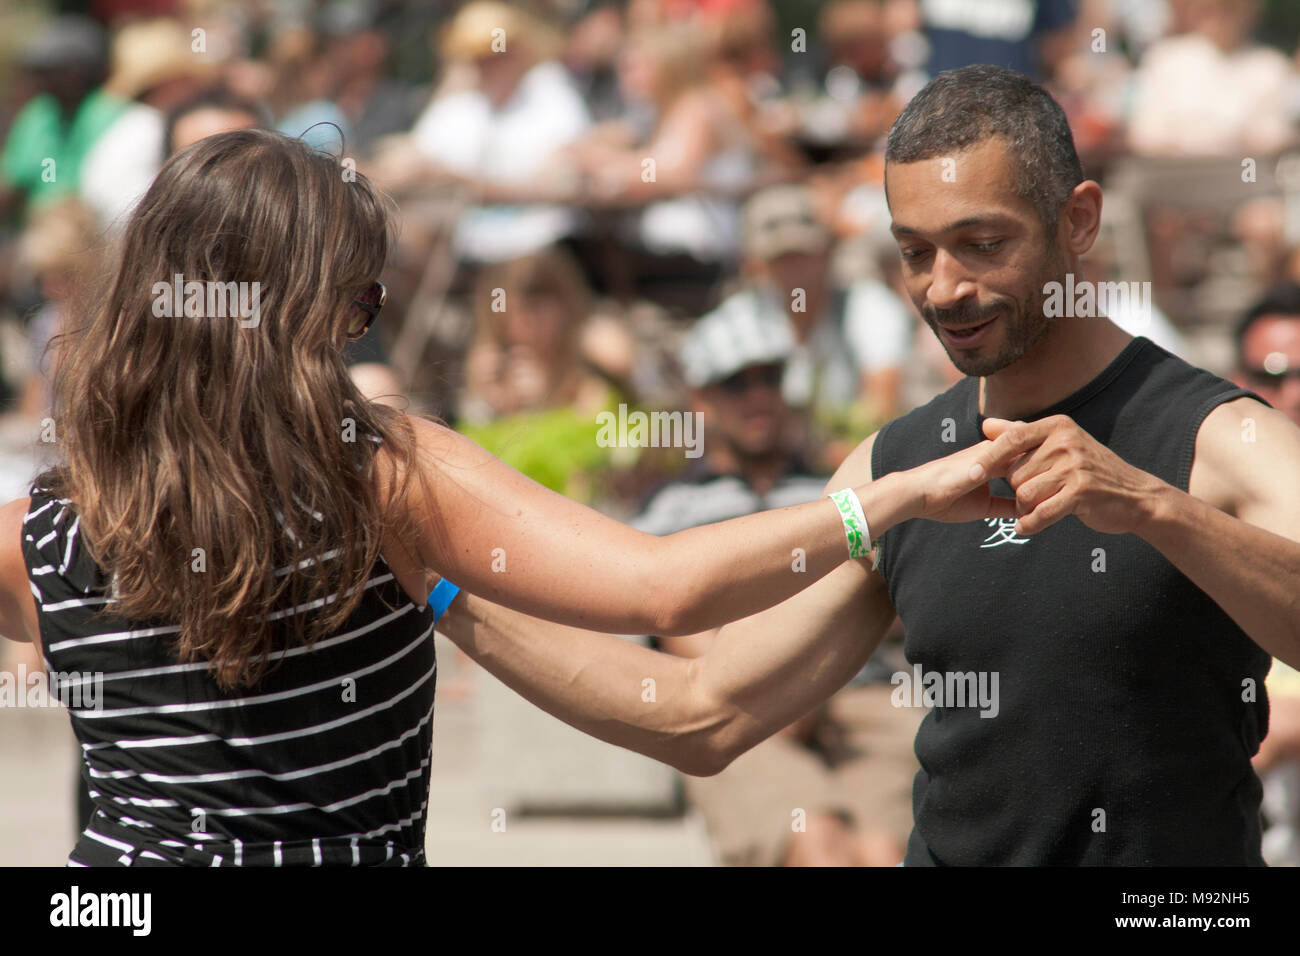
(760, 673)
(694, 714)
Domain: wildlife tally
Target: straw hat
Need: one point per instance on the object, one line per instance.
(470, 34)
(150, 52)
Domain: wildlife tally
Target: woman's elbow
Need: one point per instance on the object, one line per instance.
(677, 608)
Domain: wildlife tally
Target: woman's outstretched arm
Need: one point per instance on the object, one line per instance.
(501, 535)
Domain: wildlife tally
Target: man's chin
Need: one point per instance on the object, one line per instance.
(985, 360)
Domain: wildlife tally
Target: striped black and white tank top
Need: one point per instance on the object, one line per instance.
(324, 762)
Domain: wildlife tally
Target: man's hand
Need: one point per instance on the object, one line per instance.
(1058, 469)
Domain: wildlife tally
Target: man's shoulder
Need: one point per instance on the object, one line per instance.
(944, 418)
(1164, 371)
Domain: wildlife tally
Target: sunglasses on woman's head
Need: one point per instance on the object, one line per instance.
(369, 303)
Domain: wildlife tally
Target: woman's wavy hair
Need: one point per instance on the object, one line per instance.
(243, 438)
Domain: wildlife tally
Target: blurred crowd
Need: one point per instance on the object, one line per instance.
(675, 204)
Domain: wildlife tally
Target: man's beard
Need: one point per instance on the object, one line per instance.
(766, 453)
(1025, 324)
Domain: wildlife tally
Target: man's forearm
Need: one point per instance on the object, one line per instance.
(1253, 574)
(759, 674)
(613, 689)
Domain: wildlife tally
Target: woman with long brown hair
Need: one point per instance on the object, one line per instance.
(227, 570)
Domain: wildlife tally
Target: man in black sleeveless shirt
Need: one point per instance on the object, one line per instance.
(1129, 701)
(1092, 624)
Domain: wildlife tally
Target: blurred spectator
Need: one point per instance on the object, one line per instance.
(1259, 228)
(849, 345)
(1213, 90)
(861, 73)
(745, 68)
(683, 151)
(207, 113)
(154, 68)
(849, 765)
(591, 54)
(1092, 80)
(502, 112)
(373, 103)
(47, 144)
(535, 347)
(1268, 363)
(1268, 349)
(56, 249)
(302, 98)
(1022, 35)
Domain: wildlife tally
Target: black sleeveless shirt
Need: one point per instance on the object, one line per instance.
(325, 762)
(1128, 703)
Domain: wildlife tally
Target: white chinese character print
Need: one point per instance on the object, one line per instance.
(1004, 533)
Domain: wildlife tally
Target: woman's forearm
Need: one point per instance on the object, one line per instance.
(728, 583)
(518, 544)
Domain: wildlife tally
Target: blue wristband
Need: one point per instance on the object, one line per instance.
(440, 598)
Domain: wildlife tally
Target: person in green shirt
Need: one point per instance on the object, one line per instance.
(44, 149)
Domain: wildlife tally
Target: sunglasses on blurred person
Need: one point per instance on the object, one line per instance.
(368, 305)
(765, 376)
(1263, 377)
(1273, 372)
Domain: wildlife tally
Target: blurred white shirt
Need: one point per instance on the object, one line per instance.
(1192, 99)
(120, 167)
(509, 145)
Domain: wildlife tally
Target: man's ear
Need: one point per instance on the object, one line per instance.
(1080, 219)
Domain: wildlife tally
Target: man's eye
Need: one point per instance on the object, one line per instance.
(986, 247)
(911, 254)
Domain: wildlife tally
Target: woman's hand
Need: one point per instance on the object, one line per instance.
(956, 489)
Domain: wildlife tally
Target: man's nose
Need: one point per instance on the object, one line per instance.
(949, 281)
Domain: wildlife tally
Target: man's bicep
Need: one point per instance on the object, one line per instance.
(1247, 463)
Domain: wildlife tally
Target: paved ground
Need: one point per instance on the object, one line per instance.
(38, 754)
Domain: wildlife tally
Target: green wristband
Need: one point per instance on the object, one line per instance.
(855, 522)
